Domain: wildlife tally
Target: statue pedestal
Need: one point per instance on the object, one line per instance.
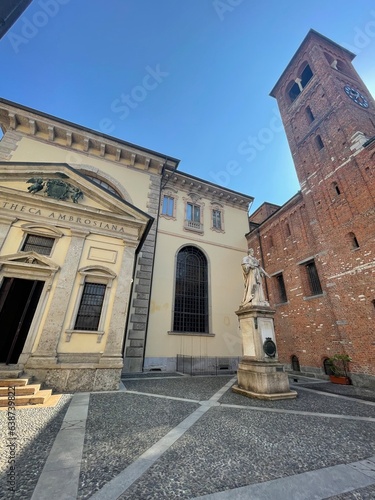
(259, 374)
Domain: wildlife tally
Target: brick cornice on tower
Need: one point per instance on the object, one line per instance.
(311, 37)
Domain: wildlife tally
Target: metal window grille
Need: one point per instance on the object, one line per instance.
(281, 287)
(313, 277)
(104, 185)
(39, 244)
(168, 205)
(206, 365)
(191, 293)
(216, 219)
(90, 307)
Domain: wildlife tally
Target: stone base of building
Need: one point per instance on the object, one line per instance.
(133, 365)
(76, 379)
(263, 380)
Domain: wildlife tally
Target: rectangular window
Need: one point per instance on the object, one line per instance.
(216, 219)
(313, 279)
(168, 206)
(193, 212)
(90, 307)
(282, 297)
(39, 244)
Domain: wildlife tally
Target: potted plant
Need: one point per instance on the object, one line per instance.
(339, 365)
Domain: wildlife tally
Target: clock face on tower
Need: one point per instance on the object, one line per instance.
(356, 96)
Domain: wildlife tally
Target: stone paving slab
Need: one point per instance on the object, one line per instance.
(230, 448)
(119, 428)
(343, 390)
(198, 388)
(312, 485)
(224, 443)
(36, 430)
(367, 493)
(306, 401)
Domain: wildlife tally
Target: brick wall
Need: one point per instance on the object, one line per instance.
(330, 224)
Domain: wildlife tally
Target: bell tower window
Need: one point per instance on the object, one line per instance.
(294, 92)
(336, 188)
(353, 240)
(309, 114)
(296, 86)
(306, 76)
(319, 142)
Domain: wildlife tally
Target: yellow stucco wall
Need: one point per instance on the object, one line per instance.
(224, 252)
(135, 182)
(97, 251)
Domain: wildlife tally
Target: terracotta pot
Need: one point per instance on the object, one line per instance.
(336, 379)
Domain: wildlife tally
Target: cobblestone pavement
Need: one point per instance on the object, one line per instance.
(182, 437)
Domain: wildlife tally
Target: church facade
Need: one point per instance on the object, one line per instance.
(112, 260)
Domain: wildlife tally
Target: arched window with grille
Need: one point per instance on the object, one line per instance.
(191, 292)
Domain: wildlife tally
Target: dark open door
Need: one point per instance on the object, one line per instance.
(18, 301)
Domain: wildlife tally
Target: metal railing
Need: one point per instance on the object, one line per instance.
(206, 365)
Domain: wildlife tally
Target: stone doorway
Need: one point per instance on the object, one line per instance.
(18, 301)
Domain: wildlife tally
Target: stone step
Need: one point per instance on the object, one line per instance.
(11, 382)
(21, 390)
(40, 398)
(10, 373)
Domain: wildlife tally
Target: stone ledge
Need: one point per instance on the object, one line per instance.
(267, 397)
(77, 379)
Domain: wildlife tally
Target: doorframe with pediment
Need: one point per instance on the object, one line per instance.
(32, 266)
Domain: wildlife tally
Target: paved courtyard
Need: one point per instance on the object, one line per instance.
(181, 437)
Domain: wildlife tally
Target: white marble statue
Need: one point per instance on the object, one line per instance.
(252, 277)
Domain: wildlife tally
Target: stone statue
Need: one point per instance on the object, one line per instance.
(252, 277)
(37, 184)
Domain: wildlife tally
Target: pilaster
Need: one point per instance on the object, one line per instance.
(8, 144)
(5, 225)
(46, 352)
(136, 335)
(112, 355)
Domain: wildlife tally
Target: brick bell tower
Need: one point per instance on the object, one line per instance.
(329, 119)
(326, 108)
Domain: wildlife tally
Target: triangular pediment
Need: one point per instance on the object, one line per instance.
(61, 188)
(28, 260)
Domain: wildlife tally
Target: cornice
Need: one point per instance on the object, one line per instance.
(282, 212)
(49, 129)
(202, 188)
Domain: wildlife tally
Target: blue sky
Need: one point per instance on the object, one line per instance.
(187, 78)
